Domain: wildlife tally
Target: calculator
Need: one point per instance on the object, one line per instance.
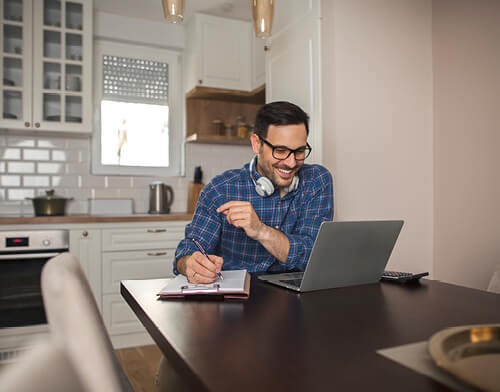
(401, 277)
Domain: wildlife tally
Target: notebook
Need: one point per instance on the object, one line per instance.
(344, 254)
(236, 285)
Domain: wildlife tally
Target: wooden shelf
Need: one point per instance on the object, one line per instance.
(257, 96)
(217, 139)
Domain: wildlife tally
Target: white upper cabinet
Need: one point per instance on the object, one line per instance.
(46, 65)
(219, 53)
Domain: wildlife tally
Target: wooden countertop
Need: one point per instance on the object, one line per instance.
(96, 219)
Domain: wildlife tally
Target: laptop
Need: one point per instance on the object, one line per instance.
(344, 254)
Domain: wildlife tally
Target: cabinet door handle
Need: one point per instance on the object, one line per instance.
(27, 124)
(37, 125)
(85, 234)
(157, 253)
(157, 230)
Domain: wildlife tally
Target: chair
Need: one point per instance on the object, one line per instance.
(494, 285)
(76, 325)
(43, 368)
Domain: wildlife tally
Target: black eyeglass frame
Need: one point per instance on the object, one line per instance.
(307, 151)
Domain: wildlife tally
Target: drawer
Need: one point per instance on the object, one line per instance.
(167, 236)
(151, 264)
(118, 316)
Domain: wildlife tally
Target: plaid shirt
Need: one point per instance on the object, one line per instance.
(298, 215)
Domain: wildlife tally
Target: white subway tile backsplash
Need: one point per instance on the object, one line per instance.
(118, 182)
(65, 181)
(11, 207)
(92, 181)
(77, 168)
(83, 156)
(20, 194)
(10, 154)
(36, 181)
(10, 181)
(104, 193)
(142, 182)
(31, 164)
(36, 155)
(50, 168)
(20, 141)
(60, 155)
(74, 144)
(21, 167)
(51, 143)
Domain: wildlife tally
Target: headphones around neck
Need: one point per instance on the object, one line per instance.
(264, 187)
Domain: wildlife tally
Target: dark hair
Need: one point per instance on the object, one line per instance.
(279, 113)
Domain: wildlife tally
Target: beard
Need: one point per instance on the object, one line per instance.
(272, 172)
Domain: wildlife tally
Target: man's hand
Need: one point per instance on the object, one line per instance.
(241, 214)
(199, 269)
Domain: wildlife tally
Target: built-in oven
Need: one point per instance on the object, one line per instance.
(22, 257)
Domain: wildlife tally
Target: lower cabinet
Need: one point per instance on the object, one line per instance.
(125, 251)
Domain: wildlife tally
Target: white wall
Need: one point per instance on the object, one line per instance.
(377, 117)
(467, 140)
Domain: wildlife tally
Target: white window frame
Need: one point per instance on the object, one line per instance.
(176, 142)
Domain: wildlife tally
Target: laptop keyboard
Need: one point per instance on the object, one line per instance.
(292, 282)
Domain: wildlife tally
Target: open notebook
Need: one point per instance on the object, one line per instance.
(236, 285)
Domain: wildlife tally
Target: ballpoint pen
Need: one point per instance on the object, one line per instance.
(198, 245)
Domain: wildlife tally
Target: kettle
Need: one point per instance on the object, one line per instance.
(161, 197)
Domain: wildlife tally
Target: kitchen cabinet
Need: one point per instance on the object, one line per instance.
(224, 78)
(85, 244)
(144, 252)
(218, 53)
(46, 64)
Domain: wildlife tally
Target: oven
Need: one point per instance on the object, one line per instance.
(22, 257)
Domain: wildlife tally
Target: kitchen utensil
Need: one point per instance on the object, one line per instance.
(49, 204)
(194, 189)
(73, 83)
(471, 353)
(161, 197)
(218, 127)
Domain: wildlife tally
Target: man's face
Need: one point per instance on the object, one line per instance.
(280, 172)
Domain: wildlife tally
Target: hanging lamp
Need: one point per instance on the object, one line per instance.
(263, 13)
(173, 10)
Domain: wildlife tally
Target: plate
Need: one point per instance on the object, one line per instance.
(471, 353)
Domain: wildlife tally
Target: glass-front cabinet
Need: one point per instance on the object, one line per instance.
(46, 64)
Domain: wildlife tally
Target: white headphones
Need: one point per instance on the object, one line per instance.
(264, 187)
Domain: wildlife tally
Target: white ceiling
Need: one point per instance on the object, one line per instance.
(152, 9)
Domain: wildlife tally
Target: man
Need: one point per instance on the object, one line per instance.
(266, 215)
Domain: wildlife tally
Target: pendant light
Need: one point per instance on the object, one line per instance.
(173, 10)
(263, 12)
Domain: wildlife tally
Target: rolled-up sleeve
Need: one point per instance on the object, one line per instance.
(205, 227)
(318, 208)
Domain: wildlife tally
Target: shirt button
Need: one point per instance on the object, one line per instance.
(276, 227)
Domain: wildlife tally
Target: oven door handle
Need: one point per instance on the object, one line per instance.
(28, 256)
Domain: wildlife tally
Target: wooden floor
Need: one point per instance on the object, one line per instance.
(140, 365)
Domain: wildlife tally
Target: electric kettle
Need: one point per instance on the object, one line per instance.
(161, 197)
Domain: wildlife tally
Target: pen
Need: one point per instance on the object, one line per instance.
(198, 245)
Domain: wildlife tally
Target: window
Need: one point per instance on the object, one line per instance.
(138, 113)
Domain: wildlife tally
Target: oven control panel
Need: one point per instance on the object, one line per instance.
(15, 241)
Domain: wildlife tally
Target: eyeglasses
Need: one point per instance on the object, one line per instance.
(282, 152)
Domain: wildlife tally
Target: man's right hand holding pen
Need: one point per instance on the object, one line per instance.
(199, 269)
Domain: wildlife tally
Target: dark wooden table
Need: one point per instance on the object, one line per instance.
(325, 340)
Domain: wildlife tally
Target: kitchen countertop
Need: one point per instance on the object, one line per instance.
(96, 218)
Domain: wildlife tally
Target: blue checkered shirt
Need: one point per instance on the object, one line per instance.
(298, 215)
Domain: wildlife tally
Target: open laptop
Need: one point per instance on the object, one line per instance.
(344, 254)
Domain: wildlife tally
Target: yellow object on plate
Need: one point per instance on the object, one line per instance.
(471, 353)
